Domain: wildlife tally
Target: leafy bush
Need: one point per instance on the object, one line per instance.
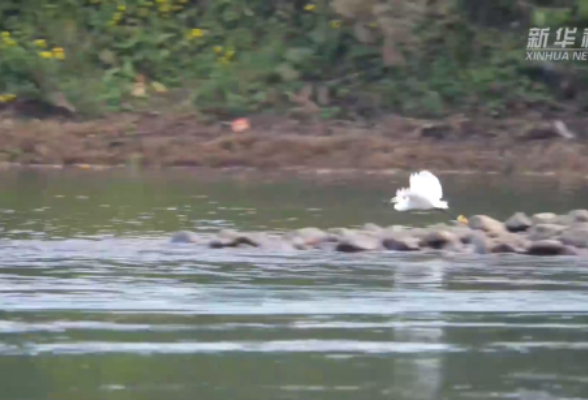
(230, 57)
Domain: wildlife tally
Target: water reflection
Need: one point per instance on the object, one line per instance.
(419, 377)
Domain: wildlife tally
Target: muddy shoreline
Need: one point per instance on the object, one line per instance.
(460, 145)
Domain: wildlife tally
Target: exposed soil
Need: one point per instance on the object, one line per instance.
(528, 143)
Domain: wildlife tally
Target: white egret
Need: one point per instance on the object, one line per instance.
(424, 193)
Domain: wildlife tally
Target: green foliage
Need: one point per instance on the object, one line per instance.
(240, 56)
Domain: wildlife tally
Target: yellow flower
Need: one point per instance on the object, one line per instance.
(117, 16)
(196, 33)
(8, 41)
(336, 24)
(229, 54)
(59, 53)
(218, 49)
(164, 8)
(5, 35)
(143, 12)
(122, 8)
(40, 43)
(310, 7)
(6, 98)
(46, 54)
(373, 24)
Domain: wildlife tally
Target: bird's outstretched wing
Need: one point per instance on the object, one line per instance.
(426, 185)
(402, 192)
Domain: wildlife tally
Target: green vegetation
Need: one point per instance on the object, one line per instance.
(344, 58)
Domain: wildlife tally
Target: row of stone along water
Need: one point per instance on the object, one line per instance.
(546, 234)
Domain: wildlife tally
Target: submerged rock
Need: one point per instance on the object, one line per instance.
(480, 243)
(231, 238)
(183, 237)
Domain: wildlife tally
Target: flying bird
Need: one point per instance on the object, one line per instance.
(424, 193)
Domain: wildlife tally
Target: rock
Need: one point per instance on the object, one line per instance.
(442, 239)
(299, 244)
(397, 228)
(358, 242)
(483, 235)
(438, 227)
(401, 243)
(547, 248)
(489, 225)
(278, 244)
(509, 243)
(549, 130)
(578, 225)
(336, 234)
(480, 242)
(545, 231)
(311, 236)
(506, 243)
(230, 238)
(369, 227)
(183, 237)
(578, 215)
(577, 237)
(464, 233)
(571, 251)
(544, 218)
(518, 222)
(504, 247)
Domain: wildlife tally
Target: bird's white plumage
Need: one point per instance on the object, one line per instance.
(426, 184)
(425, 193)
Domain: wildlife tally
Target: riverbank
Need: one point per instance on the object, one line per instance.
(524, 144)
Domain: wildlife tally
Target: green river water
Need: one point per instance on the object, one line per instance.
(96, 303)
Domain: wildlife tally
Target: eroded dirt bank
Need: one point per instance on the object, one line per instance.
(525, 144)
